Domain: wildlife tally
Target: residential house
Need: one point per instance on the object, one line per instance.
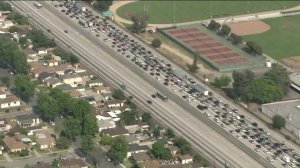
(73, 163)
(140, 157)
(93, 83)
(65, 87)
(41, 50)
(4, 125)
(12, 145)
(75, 93)
(29, 43)
(135, 148)
(30, 52)
(11, 101)
(71, 79)
(185, 159)
(69, 71)
(28, 120)
(51, 62)
(1, 149)
(132, 128)
(34, 129)
(151, 164)
(45, 75)
(102, 89)
(114, 103)
(144, 126)
(44, 140)
(132, 139)
(53, 82)
(114, 132)
(106, 124)
(91, 100)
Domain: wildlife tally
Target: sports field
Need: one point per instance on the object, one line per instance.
(163, 11)
(282, 40)
(212, 49)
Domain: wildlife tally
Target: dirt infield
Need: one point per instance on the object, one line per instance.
(250, 27)
(293, 63)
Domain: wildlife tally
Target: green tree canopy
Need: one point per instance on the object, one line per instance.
(103, 5)
(236, 39)
(71, 127)
(119, 148)
(130, 117)
(67, 56)
(146, 117)
(106, 140)
(213, 25)
(39, 39)
(193, 67)
(62, 143)
(183, 145)
(280, 76)
(159, 151)
(140, 22)
(4, 6)
(263, 91)
(170, 133)
(156, 43)
(221, 81)
(225, 29)
(118, 94)
(63, 99)
(87, 143)
(18, 18)
(47, 106)
(89, 125)
(24, 87)
(241, 81)
(13, 29)
(278, 121)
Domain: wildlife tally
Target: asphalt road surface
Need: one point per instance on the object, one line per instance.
(175, 113)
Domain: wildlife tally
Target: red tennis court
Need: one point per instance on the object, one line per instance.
(179, 31)
(208, 45)
(191, 41)
(184, 36)
(198, 34)
(206, 39)
(222, 56)
(215, 50)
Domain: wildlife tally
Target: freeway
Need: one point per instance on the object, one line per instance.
(203, 139)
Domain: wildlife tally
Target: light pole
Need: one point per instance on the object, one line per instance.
(210, 8)
(174, 13)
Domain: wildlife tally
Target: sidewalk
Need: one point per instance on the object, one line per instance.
(8, 159)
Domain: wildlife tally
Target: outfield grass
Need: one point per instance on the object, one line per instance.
(282, 40)
(162, 11)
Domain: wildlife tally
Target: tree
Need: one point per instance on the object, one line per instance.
(4, 6)
(62, 143)
(280, 76)
(24, 87)
(140, 22)
(263, 91)
(87, 143)
(39, 39)
(63, 99)
(66, 56)
(18, 18)
(13, 29)
(71, 127)
(24, 152)
(159, 151)
(106, 140)
(55, 164)
(236, 39)
(47, 106)
(193, 67)
(119, 148)
(183, 145)
(19, 62)
(118, 94)
(213, 25)
(241, 81)
(170, 133)
(254, 48)
(278, 122)
(198, 158)
(130, 117)
(156, 132)
(80, 108)
(5, 81)
(156, 43)
(103, 5)
(146, 117)
(89, 125)
(48, 57)
(221, 81)
(225, 29)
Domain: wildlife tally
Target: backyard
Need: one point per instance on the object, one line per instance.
(163, 11)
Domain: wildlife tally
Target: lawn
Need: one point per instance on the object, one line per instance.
(162, 11)
(282, 40)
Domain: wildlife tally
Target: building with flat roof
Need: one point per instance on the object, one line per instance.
(290, 110)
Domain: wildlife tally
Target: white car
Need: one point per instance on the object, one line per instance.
(207, 114)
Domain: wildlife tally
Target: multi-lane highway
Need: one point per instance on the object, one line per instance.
(176, 113)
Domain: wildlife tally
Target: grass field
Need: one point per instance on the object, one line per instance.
(162, 11)
(282, 40)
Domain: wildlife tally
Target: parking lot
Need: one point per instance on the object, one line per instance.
(231, 120)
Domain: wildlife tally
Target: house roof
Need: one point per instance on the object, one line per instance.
(69, 76)
(136, 147)
(74, 93)
(185, 157)
(72, 163)
(29, 51)
(26, 117)
(41, 49)
(9, 99)
(173, 148)
(12, 144)
(151, 164)
(53, 80)
(94, 81)
(45, 75)
(45, 141)
(69, 71)
(105, 123)
(140, 157)
(113, 101)
(115, 131)
(65, 87)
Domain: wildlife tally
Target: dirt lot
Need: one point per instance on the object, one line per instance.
(250, 27)
(293, 62)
